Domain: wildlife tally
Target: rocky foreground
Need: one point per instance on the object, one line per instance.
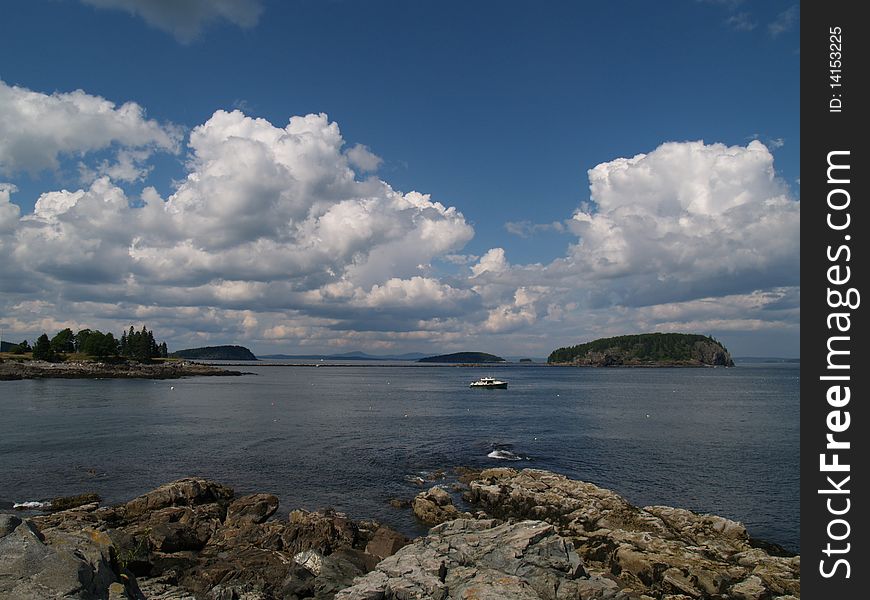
(35, 369)
(532, 535)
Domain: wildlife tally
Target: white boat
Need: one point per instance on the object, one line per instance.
(490, 383)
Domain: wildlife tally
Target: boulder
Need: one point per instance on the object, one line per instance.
(255, 508)
(435, 506)
(385, 542)
(34, 566)
(479, 559)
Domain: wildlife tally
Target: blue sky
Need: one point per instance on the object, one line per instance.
(496, 110)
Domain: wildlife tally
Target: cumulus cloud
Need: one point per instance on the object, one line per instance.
(363, 159)
(273, 237)
(684, 220)
(36, 129)
(185, 19)
(268, 217)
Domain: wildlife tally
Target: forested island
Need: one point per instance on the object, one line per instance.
(646, 350)
(216, 353)
(92, 354)
(463, 357)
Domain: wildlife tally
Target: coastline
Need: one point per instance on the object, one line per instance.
(529, 534)
(15, 370)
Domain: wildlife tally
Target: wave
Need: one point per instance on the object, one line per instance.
(31, 505)
(505, 455)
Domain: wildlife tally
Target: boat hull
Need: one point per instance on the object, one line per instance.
(490, 386)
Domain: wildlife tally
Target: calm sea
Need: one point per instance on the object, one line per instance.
(352, 437)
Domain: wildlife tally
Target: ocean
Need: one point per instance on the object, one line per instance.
(353, 437)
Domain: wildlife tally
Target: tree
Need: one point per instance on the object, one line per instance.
(22, 348)
(64, 341)
(80, 339)
(42, 349)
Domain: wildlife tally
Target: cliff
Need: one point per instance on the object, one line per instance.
(646, 350)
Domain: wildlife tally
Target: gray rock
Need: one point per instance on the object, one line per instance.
(34, 567)
(478, 559)
(658, 550)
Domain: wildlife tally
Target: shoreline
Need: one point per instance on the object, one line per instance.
(16, 371)
(527, 533)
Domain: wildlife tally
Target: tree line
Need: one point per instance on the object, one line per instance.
(136, 345)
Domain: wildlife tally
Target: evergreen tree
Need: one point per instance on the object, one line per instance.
(42, 349)
(22, 348)
(63, 342)
(80, 339)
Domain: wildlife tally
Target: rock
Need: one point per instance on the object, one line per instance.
(68, 502)
(435, 506)
(183, 492)
(385, 542)
(33, 566)
(255, 508)
(477, 559)
(658, 550)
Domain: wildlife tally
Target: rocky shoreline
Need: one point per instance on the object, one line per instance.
(34, 369)
(529, 535)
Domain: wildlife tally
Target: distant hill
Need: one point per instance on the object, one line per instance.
(463, 357)
(216, 353)
(646, 349)
(345, 356)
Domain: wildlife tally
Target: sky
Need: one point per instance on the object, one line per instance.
(308, 176)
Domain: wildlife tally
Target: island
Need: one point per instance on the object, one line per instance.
(463, 357)
(216, 353)
(646, 350)
(11, 370)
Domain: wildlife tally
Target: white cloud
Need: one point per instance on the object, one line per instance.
(785, 21)
(8, 212)
(36, 129)
(363, 159)
(527, 229)
(185, 19)
(273, 239)
(684, 220)
(741, 21)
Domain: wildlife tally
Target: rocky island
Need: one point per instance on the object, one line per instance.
(646, 350)
(123, 369)
(526, 535)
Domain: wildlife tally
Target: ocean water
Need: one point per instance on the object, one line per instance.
(723, 441)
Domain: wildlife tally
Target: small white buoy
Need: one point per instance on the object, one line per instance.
(647, 416)
(171, 387)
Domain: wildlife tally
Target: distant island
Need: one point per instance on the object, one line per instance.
(463, 357)
(646, 350)
(216, 353)
(345, 356)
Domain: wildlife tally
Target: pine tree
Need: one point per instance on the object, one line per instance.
(42, 349)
